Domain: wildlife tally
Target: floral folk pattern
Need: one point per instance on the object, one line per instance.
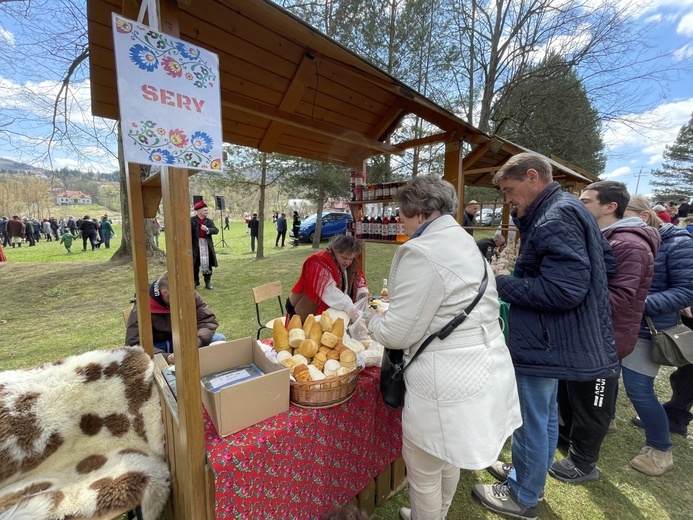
(302, 463)
(179, 60)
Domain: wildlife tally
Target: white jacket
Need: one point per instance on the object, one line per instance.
(461, 403)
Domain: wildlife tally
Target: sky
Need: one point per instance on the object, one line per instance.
(634, 142)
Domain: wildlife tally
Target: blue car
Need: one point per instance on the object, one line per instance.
(333, 223)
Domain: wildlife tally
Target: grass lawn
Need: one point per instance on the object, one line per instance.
(55, 305)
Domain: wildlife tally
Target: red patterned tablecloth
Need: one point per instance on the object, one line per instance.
(301, 463)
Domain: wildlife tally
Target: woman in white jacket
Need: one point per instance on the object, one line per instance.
(461, 402)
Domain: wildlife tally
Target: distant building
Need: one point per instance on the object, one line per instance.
(69, 197)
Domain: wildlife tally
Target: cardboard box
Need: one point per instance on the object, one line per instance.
(243, 404)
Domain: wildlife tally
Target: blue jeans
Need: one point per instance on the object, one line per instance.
(167, 346)
(640, 391)
(534, 443)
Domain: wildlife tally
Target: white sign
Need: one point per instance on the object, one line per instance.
(170, 103)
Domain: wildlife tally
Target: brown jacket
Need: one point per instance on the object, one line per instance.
(161, 325)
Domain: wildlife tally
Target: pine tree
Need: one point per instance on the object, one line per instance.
(545, 108)
(675, 178)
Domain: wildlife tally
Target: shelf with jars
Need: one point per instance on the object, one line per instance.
(376, 221)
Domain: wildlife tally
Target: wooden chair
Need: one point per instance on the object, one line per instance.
(265, 292)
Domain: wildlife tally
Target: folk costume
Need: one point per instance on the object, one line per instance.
(323, 284)
(204, 256)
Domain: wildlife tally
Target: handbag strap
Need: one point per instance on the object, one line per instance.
(457, 320)
(653, 330)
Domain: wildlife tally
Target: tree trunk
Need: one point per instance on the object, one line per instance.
(124, 252)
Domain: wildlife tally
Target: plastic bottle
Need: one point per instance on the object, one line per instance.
(384, 292)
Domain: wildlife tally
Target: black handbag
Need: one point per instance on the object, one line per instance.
(393, 367)
(672, 346)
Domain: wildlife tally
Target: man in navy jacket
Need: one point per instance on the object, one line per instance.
(560, 322)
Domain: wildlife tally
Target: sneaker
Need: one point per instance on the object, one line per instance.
(404, 513)
(653, 462)
(500, 499)
(565, 470)
(612, 427)
(637, 421)
(500, 470)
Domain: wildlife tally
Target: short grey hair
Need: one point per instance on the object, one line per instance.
(517, 166)
(344, 244)
(425, 195)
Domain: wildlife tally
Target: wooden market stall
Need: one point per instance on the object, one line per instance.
(285, 88)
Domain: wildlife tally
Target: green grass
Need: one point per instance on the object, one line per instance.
(56, 305)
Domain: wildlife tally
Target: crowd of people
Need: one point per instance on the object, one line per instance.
(588, 272)
(16, 231)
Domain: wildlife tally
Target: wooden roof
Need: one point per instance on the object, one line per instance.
(481, 164)
(285, 87)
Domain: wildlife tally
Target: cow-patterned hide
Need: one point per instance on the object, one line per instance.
(82, 437)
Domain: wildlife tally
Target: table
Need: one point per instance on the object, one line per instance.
(300, 463)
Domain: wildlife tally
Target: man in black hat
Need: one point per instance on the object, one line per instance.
(204, 256)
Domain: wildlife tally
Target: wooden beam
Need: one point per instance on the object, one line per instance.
(258, 108)
(473, 156)
(139, 256)
(453, 170)
(413, 143)
(387, 123)
(190, 453)
(305, 72)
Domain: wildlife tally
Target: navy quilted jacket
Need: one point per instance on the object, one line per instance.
(560, 317)
(672, 284)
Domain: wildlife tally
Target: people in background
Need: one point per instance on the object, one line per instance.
(88, 229)
(15, 230)
(155, 228)
(106, 231)
(583, 420)
(488, 246)
(159, 304)
(689, 224)
(204, 256)
(661, 213)
(66, 239)
(684, 208)
(254, 227)
(281, 229)
(330, 278)
(226, 221)
(295, 227)
(670, 292)
(470, 216)
(451, 404)
(559, 287)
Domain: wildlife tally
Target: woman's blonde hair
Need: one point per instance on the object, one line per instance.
(641, 205)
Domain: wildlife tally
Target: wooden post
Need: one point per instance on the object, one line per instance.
(453, 170)
(139, 256)
(190, 453)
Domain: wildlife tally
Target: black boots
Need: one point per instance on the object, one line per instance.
(208, 282)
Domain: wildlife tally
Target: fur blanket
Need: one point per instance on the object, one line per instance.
(82, 437)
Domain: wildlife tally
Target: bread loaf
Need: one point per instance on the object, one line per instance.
(308, 348)
(319, 360)
(315, 332)
(296, 336)
(308, 324)
(347, 358)
(325, 322)
(295, 322)
(338, 328)
(328, 339)
(280, 336)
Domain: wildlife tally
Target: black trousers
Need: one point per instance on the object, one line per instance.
(281, 234)
(585, 410)
(679, 406)
(196, 267)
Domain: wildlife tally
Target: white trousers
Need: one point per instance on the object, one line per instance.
(432, 483)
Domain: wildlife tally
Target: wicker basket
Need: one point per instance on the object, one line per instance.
(305, 395)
